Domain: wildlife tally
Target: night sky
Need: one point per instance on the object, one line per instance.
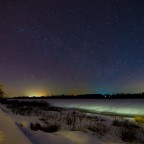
(71, 46)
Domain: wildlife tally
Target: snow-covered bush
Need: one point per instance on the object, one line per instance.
(100, 128)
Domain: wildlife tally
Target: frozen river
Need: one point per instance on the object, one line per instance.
(119, 106)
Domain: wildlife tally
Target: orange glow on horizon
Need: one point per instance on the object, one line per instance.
(36, 94)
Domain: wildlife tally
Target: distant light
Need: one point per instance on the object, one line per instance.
(36, 94)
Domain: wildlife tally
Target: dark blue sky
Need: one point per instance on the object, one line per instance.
(71, 46)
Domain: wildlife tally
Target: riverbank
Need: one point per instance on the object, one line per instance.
(42, 123)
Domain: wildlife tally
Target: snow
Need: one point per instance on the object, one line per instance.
(113, 106)
(116, 106)
(110, 106)
(9, 132)
(15, 129)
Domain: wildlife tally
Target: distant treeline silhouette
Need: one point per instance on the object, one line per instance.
(89, 96)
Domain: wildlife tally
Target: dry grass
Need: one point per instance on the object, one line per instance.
(139, 119)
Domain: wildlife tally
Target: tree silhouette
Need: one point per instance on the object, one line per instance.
(1, 91)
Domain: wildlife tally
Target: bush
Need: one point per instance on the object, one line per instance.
(128, 131)
(128, 134)
(131, 125)
(125, 123)
(100, 128)
(48, 128)
(69, 120)
(35, 127)
(139, 119)
(117, 123)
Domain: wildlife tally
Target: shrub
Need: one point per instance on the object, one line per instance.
(130, 125)
(69, 120)
(128, 131)
(128, 134)
(117, 123)
(139, 119)
(100, 128)
(48, 128)
(35, 127)
(125, 123)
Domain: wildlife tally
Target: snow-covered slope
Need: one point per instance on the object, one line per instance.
(9, 132)
(15, 127)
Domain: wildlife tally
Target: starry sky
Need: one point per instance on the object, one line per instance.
(71, 46)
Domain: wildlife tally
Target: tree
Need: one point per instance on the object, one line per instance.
(1, 91)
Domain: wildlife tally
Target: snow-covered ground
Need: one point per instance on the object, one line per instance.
(114, 106)
(9, 132)
(15, 128)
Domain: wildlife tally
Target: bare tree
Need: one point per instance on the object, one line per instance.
(1, 91)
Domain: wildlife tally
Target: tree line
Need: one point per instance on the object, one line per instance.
(89, 96)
